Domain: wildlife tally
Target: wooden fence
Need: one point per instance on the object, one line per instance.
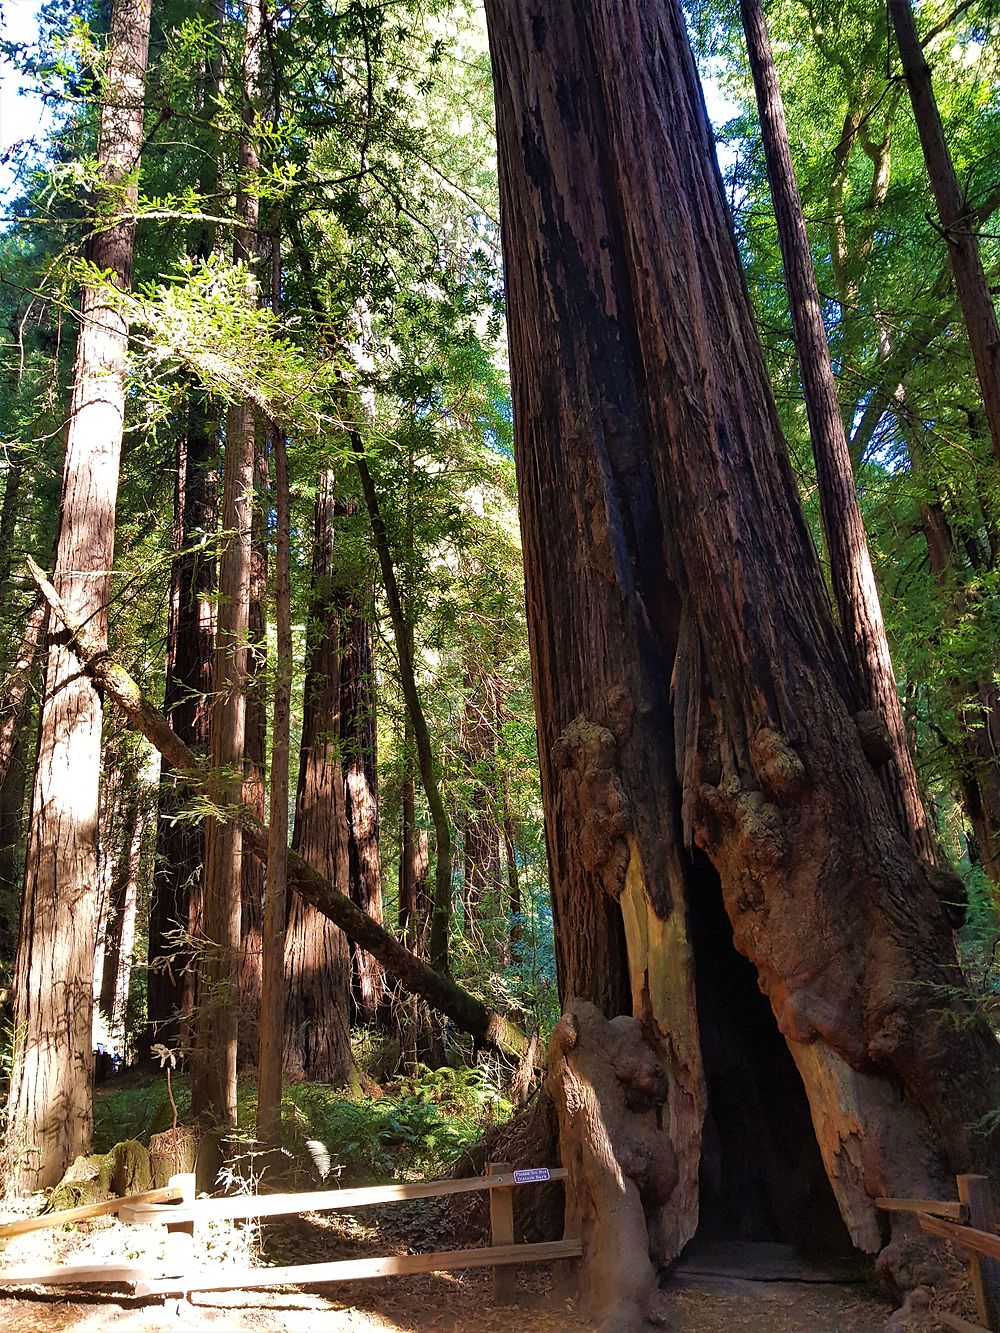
(969, 1223)
(177, 1208)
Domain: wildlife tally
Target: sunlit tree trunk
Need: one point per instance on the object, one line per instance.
(49, 1110)
(272, 999)
(851, 570)
(317, 959)
(213, 1064)
(483, 871)
(953, 210)
(360, 760)
(254, 785)
(695, 704)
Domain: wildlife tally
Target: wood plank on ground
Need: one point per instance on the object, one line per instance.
(956, 1322)
(87, 1210)
(76, 1275)
(315, 1201)
(349, 1270)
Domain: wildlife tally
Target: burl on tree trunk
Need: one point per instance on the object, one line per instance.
(609, 1091)
(697, 726)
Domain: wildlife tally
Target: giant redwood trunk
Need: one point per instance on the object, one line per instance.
(49, 1107)
(694, 699)
(317, 959)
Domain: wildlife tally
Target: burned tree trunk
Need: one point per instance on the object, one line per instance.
(691, 688)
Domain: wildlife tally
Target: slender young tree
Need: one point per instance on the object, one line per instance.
(955, 216)
(853, 578)
(49, 1108)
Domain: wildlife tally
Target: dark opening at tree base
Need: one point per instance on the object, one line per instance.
(762, 1177)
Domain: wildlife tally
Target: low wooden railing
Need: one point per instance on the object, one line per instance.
(180, 1273)
(969, 1223)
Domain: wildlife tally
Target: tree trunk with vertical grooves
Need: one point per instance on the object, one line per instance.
(272, 998)
(254, 784)
(49, 1106)
(176, 903)
(694, 699)
(213, 1063)
(360, 760)
(853, 578)
(17, 686)
(317, 959)
(12, 792)
(954, 213)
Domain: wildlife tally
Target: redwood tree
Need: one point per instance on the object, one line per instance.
(695, 703)
(49, 1108)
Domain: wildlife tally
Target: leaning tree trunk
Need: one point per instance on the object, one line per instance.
(851, 569)
(953, 210)
(49, 1108)
(317, 959)
(694, 699)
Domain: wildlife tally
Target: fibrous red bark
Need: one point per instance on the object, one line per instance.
(49, 1107)
(691, 688)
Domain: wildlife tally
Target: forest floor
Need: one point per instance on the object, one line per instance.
(432, 1303)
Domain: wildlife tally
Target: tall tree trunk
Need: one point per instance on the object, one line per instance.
(254, 784)
(953, 210)
(16, 689)
(175, 911)
(213, 1064)
(12, 793)
(481, 826)
(851, 570)
(694, 700)
(272, 999)
(317, 959)
(513, 882)
(426, 765)
(49, 1111)
(360, 761)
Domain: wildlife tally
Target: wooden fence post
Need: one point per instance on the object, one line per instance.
(974, 1192)
(502, 1233)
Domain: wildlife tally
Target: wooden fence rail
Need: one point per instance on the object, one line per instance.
(180, 1273)
(970, 1224)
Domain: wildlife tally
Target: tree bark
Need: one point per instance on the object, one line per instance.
(272, 1007)
(317, 959)
(963, 247)
(853, 578)
(692, 691)
(360, 762)
(481, 823)
(213, 1063)
(468, 1013)
(17, 685)
(49, 1110)
(175, 911)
